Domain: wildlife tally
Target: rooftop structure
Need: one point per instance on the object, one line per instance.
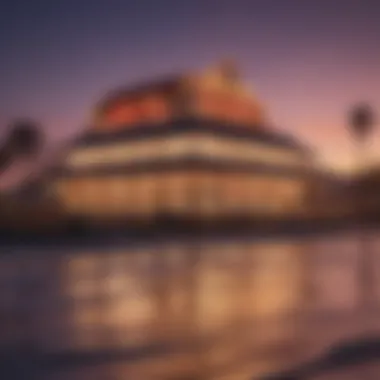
(217, 93)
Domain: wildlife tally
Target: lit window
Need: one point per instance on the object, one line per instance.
(176, 192)
(131, 200)
(208, 194)
(146, 195)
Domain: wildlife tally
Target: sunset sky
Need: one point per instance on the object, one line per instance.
(308, 60)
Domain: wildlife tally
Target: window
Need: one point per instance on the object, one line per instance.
(146, 194)
(132, 201)
(117, 194)
(76, 195)
(207, 194)
(176, 189)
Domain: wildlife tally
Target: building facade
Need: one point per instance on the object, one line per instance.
(192, 146)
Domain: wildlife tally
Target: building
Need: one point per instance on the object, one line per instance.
(126, 306)
(193, 146)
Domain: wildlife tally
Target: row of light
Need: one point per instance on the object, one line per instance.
(182, 147)
(145, 195)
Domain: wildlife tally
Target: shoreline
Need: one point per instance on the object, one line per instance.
(293, 230)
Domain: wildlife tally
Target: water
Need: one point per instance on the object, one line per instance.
(209, 309)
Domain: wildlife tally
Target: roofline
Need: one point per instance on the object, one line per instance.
(193, 124)
(165, 83)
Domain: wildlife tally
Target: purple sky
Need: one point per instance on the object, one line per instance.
(308, 60)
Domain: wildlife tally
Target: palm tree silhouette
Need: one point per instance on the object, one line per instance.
(361, 125)
(24, 140)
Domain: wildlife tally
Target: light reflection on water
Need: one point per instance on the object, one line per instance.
(246, 307)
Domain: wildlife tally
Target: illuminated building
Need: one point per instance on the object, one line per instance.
(193, 146)
(197, 146)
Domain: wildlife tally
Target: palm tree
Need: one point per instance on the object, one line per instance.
(25, 139)
(361, 124)
(5, 156)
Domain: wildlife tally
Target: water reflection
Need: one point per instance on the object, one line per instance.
(215, 308)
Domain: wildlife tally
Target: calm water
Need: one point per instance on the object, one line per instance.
(217, 309)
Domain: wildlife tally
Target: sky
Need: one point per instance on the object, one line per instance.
(308, 61)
